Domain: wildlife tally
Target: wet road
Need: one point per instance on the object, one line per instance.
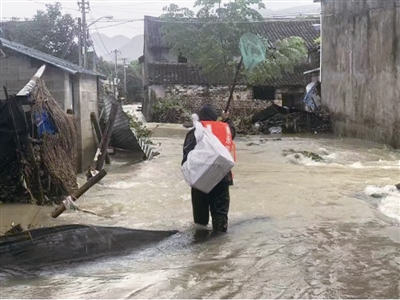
(298, 228)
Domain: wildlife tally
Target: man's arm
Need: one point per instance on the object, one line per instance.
(188, 145)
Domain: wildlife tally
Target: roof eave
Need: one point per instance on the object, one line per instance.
(312, 71)
(11, 47)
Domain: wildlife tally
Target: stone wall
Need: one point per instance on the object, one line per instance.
(16, 70)
(86, 102)
(193, 97)
(360, 68)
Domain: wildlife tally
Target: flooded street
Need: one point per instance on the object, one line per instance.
(297, 228)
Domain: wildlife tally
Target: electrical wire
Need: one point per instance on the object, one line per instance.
(101, 40)
(129, 21)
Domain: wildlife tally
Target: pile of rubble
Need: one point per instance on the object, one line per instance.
(280, 120)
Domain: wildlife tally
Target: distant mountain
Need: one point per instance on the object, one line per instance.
(129, 48)
(134, 48)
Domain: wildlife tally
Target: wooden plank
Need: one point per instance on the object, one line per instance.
(106, 137)
(83, 189)
(99, 135)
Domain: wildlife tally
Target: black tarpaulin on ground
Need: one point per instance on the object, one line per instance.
(72, 243)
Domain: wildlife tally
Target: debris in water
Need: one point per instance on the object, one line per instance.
(14, 229)
(275, 130)
(298, 154)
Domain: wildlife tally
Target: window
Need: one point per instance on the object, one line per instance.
(182, 59)
(264, 92)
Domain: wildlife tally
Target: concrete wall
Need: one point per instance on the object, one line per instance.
(85, 102)
(16, 70)
(360, 68)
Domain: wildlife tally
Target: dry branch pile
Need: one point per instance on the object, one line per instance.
(58, 150)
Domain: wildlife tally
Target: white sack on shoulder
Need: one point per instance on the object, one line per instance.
(208, 162)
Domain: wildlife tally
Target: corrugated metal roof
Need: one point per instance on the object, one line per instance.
(47, 58)
(122, 135)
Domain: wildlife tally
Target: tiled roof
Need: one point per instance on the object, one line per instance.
(176, 73)
(273, 30)
(47, 58)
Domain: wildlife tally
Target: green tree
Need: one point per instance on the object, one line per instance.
(211, 39)
(133, 78)
(134, 82)
(49, 31)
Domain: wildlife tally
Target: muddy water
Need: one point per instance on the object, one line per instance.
(297, 228)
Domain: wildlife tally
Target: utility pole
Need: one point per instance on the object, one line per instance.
(80, 41)
(94, 61)
(115, 81)
(84, 7)
(124, 66)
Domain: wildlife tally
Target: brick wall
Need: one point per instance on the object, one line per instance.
(86, 95)
(16, 70)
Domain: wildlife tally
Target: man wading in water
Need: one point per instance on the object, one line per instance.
(217, 200)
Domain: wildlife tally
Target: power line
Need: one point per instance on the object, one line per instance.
(130, 21)
(101, 39)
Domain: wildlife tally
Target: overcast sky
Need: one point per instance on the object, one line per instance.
(127, 14)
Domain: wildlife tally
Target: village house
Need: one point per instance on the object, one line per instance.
(73, 87)
(168, 75)
(360, 44)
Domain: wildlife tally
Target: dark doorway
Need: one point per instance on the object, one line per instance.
(293, 100)
(264, 92)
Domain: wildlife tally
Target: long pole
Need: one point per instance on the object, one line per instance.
(80, 41)
(84, 32)
(234, 83)
(116, 74)
(124, 66)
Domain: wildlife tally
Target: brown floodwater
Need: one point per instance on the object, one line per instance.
(297, 228)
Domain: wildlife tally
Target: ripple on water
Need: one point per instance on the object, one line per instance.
(386, 198)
